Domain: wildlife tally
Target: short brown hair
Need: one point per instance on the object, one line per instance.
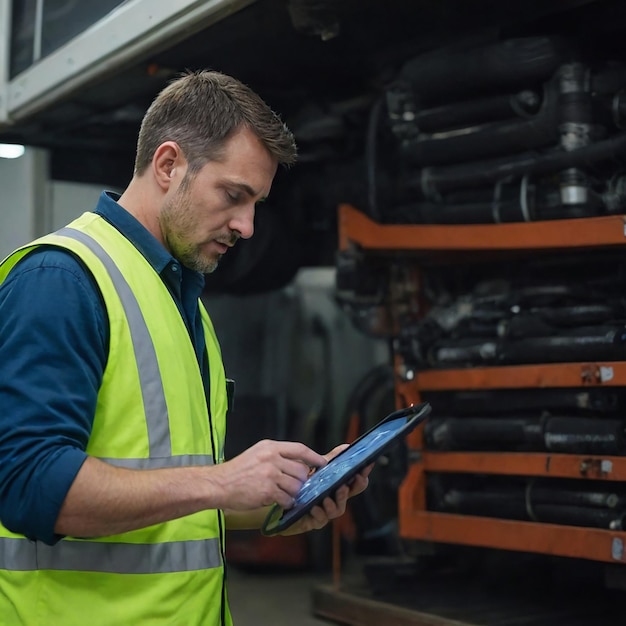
(200, 111)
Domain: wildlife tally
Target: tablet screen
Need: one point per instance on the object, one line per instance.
(344, 462)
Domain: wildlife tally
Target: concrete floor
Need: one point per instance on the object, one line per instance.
(497, 589)
(274, 598)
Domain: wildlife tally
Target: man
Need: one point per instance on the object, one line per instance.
(114, 494)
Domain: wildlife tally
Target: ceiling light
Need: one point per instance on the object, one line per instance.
(11, 151)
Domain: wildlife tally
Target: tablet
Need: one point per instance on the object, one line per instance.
(340, 470)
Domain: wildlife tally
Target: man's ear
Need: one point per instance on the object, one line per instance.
(168, 164)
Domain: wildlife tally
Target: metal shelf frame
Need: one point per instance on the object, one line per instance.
(593, 232)
(416, 522)
(600, 374)
(593, 544)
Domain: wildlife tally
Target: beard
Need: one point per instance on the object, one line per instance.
(191, 257)
(178, 225)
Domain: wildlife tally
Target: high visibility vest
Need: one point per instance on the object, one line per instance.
(151, 413)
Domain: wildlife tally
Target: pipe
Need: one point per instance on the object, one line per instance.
(436, 181)
(485, 140)
(516, 502)
(573, 435)
(525, 103)
(514, 62)
(586, 344)
(578, 402)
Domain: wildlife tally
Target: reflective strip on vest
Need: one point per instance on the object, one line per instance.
(114, 558)
(147, 365)
(181, 460)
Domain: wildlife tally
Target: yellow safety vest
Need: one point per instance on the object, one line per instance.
(151, 413)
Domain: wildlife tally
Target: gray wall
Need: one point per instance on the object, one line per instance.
(67, 201)
(31, 205)
(22, 196)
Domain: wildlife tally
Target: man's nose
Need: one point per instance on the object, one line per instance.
(243, 222)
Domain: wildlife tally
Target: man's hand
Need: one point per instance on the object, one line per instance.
(268, 472)
(331, 508)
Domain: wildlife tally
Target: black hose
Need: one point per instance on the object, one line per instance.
(513, 503)
(493, 138)
(514, 62)
(584, 435)
(479, 110)
(436, 181)
(572, 435)
(482, 433)
(585, 401)
(592, 343)
(584, 344)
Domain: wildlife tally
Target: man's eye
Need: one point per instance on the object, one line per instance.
(234, 198)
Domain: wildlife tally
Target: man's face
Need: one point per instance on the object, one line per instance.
(206, 214)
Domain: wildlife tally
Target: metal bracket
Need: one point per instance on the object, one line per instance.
(596, 468)
(617, 549)
(592, 374)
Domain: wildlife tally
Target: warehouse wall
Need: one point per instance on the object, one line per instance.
(22, 194)
(31, 205)
(69, 200)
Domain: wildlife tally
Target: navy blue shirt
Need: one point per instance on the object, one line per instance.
(54, 338)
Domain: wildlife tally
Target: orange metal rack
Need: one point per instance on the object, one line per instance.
(415, 521)
(357, 228)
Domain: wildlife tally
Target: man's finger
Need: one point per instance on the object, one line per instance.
(299, 452)
(296, 469)
(335, 451)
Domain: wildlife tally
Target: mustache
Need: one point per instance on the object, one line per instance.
(233, 239)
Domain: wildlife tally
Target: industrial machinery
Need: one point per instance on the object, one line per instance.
(463, 165)
(490, 252)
